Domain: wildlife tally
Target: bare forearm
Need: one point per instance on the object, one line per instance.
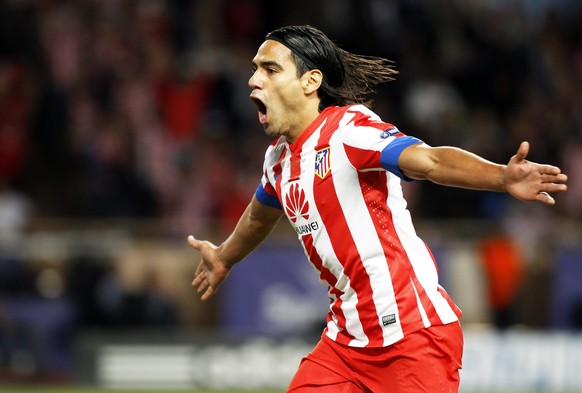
(256, 223)
(451, 166)
(460, 168)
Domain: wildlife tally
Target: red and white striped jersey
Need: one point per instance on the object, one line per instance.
(339, 185)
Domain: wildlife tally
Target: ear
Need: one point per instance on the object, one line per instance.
(311, 81)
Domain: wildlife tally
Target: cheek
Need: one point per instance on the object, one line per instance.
(285, 97)
(291, 95)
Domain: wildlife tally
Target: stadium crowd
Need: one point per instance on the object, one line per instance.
(140, 108)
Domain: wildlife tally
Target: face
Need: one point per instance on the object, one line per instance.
(278, 92)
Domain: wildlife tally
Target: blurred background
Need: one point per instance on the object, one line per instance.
(125, 125)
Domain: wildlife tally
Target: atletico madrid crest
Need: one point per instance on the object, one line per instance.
(322, 163)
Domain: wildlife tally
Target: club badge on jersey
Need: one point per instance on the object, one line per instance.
(322, 162)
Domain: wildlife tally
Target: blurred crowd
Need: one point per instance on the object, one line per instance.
(140, 109)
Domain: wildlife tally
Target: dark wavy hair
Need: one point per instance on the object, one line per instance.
(347, 78)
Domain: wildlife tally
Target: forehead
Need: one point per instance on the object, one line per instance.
(273, 51)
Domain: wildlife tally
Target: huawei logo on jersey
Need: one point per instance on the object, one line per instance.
(297, 209)
(295, 204)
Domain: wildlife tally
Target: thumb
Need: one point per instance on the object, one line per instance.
(195, 243)
(522, 151)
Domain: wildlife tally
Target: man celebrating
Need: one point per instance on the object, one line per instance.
(334, 170)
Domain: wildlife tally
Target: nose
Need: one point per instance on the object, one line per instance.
(254, 82)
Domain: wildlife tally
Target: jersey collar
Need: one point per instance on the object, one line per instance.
(315, 124)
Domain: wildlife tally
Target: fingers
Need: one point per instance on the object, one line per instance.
(553, 187)
(549, 170)
(204, 276)
(199, 277)
(552, 179)
(558, 178)
(200, 282)
(203, 286)
(554, 182)
(209, 292)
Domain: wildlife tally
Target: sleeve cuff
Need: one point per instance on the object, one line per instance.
(267, 199)
(390, 154)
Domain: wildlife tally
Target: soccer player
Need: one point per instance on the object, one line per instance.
(334, 169)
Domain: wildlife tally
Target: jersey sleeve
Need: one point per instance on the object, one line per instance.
(372, 144)
(391, 153)
(266, 192)
(266, 195)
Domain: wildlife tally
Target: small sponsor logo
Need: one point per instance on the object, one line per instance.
(389, 133)
(388, 319)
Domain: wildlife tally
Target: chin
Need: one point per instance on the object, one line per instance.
(270, 132)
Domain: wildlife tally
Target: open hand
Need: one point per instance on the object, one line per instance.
(529, 181)
(211, 271)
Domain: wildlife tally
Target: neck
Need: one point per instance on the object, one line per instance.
(306, 117)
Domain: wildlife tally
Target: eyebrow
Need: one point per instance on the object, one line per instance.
(268, 63)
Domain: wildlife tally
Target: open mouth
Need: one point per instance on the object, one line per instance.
(262, 108)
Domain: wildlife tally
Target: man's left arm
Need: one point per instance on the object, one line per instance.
(451, 166)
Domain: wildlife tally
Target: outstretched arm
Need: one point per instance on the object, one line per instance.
(256, 223)
(455, 167)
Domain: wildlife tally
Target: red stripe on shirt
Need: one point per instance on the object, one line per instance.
(362, 159)
(375, 190)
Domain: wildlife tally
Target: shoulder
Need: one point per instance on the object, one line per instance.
(363, 115)
(362, 119)
(361, 123)
(349, 118)
(355, 112)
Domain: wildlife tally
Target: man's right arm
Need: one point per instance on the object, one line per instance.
(255, 224)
